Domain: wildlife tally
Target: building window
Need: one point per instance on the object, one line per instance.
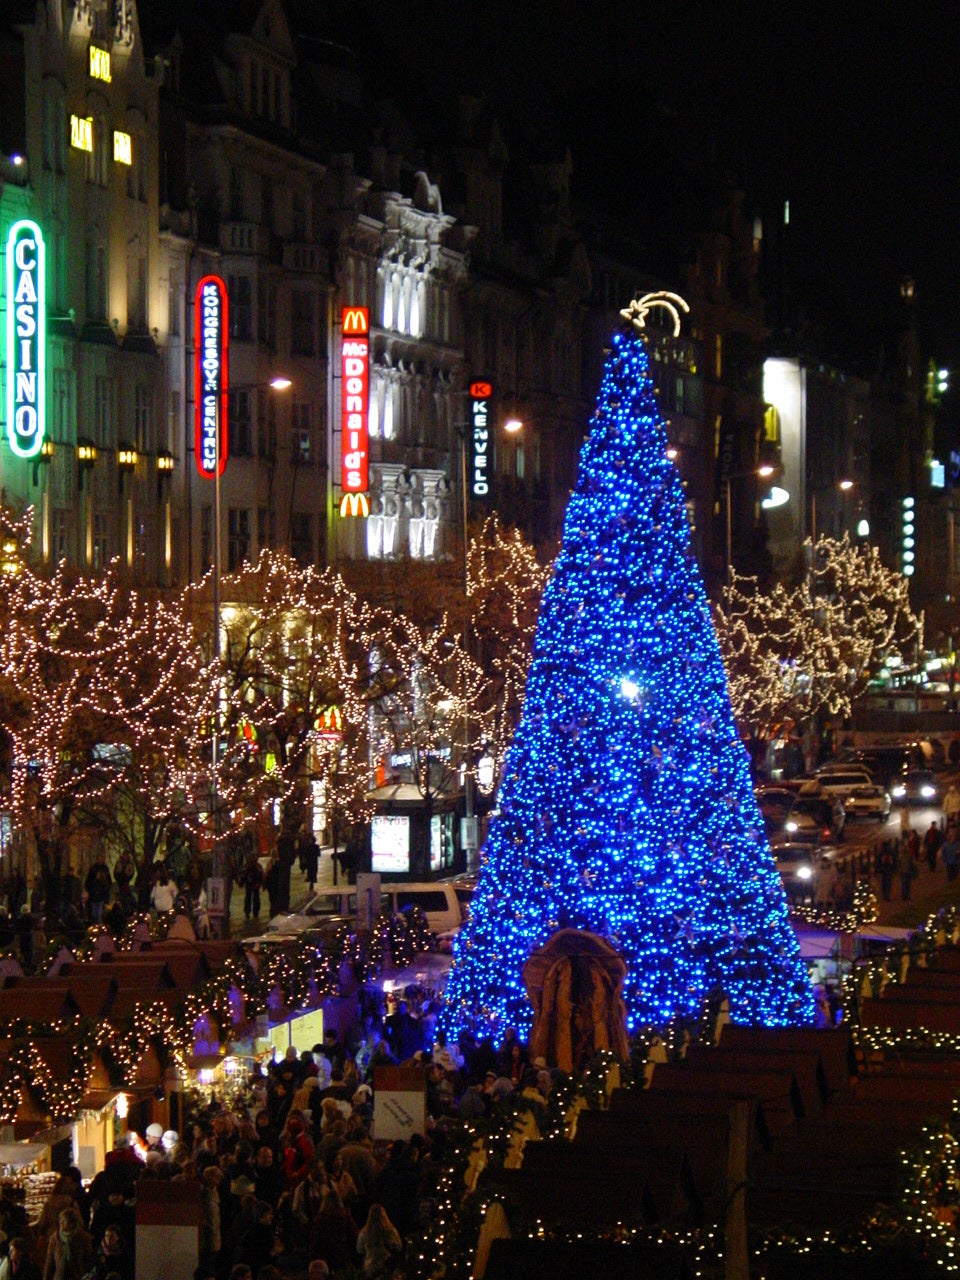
(206, 537)
(101, 554)
(299, 217)
(389, 420)
(266, 528)
(101, 410)
(267, 311)
(301, 547)
(302, 433)
(240, 425)
(143, 417)
(54, 128)
(137, 293)
(241, 312)
(140, 547)
(173, 434)
(236, 195)
(96, 282)
(238, 537)
(302, 341)
(387, 312)
(100, 156)
(62, 403)
(174, 297)
(58, 534)
(267, 431)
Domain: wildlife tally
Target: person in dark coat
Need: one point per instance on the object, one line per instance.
(333, 1235)
(309, 857)
(251, 877)
(397, 1187)
(18, 1264)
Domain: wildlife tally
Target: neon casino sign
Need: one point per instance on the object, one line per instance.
(355, 371)
(26, 338)
(210, 376)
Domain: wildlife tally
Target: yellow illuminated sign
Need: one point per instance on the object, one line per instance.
(81, 132)
(100, 64)
(354, 504)
(122, 148)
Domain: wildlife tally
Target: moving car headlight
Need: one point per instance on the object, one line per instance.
(790, 826)
(928, 792)
(804, 873)
(899, 791)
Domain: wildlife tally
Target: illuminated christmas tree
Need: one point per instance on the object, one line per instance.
(627, 807)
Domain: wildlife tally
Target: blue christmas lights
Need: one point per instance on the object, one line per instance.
(627, 807)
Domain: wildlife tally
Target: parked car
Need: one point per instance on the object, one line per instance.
(326, 911)
(868, 802)
(840, 782)
(917, 786)
(816, 810)
(774, 804)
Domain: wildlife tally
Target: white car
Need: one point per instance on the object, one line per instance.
(868, 802)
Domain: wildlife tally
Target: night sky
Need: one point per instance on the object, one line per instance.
(850, 113)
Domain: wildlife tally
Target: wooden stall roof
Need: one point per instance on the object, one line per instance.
(91, 988)
(835, 1047)
(41, 1005)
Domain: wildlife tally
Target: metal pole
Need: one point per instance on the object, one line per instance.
(467, 774)
(215, 736)
(729, 544)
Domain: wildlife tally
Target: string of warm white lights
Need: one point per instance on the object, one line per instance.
(794, 653)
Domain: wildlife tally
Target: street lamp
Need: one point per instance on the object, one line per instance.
(763, 472)
(511, 426)
(844, 486)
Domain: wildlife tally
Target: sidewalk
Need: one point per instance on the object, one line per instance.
(299, 894)
(929, 892)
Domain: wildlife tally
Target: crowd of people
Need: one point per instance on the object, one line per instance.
(896, 862)
(292, 1183)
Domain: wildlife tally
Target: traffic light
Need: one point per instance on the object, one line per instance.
(907, 536)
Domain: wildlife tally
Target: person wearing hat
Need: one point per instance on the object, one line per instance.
(154, 1137)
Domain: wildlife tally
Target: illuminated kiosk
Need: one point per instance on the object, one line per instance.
(409, 838)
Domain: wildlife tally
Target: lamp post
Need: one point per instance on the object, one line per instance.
(844, 486)
(512, 426)
(278, 383)
(763, 472)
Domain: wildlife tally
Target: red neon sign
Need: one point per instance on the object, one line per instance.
(355, 400)
(210, 338)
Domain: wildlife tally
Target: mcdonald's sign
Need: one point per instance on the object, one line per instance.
(329, 724)
(210, 376)
(354, 504)
(356, 320)
(355, 402)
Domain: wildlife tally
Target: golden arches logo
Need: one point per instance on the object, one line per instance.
(354, 504)
(356, 320)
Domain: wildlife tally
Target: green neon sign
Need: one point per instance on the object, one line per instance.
(26, 338)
